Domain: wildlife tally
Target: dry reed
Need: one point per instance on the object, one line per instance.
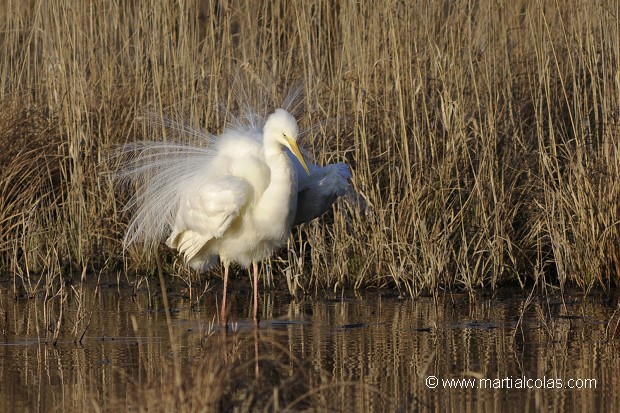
(483, 137)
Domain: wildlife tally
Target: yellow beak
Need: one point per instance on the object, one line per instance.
(295, 149)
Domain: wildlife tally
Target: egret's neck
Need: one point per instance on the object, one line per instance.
(278, 200)
(272, 148)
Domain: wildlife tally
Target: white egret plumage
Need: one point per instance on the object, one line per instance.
(235, 196)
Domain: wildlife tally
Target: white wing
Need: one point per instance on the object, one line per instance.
(155, 171)
(206, 212)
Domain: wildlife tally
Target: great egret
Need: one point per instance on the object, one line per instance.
(235, 196)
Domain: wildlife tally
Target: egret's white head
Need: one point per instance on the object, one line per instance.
(281, 124)
(282, 127)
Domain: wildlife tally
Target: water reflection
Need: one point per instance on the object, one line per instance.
(365, 352)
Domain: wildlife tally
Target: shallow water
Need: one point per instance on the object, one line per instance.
(337, 352)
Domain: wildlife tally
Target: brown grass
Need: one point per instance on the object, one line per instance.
(483, 137)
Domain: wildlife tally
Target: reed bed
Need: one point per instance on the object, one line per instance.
(483, 136)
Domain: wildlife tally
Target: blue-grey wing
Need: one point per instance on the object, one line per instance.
(318, 191)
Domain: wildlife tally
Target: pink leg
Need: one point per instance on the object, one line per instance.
(224, 314)
(256, 367)
(256, 319)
